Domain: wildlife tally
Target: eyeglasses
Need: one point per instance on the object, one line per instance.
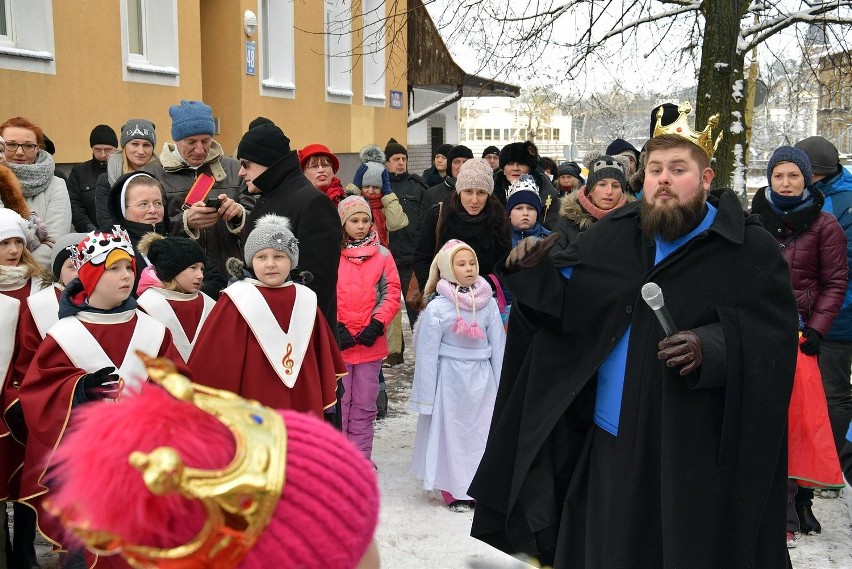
(27, 147)
(144, 206)
(244, 164)
(320, 167)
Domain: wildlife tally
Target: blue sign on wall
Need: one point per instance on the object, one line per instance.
(396, 99)
(251, 57)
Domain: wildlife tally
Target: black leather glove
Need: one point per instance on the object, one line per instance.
(681, 349)
(812, 341)
(102, 384)
(370, 334)
(530, 251)
(346, 339)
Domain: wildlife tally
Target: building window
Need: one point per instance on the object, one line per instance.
(26, 36)
(149, 41)
(555, 134)
(373, 50)
(479, 134)
(338, 51)
(277, 33)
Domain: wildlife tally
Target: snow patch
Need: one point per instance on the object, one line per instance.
(737, 90)
(738, 178)
(719, 65)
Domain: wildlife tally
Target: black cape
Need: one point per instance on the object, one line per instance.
(701, 459)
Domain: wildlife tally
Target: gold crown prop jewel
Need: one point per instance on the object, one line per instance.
(703, 139)
(239, 499)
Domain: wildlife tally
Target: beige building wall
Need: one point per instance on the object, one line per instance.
(88, 87)
(307, 118)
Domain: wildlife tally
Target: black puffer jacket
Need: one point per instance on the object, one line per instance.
(81, 191)
(814, 245)
(409, 188)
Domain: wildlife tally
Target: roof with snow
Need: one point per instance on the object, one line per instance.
(431, 66)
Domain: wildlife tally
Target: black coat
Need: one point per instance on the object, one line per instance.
(434, 195)
(482, 236)
(409, 188)
(700, 460)
(81, 191)
(285, 191)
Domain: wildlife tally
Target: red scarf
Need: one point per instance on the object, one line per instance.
(379, 221)
(594, 210)
(334, 191)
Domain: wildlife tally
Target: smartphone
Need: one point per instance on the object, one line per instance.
(213, 202)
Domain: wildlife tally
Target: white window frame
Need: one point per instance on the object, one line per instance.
(373, 50)
(28, 45)
(160, 63)
(277, 30)
(337, 42)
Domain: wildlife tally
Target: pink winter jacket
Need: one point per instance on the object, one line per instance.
(367, 289)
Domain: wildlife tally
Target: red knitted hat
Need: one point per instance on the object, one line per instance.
(326, 515)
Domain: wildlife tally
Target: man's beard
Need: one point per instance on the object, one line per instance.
(672, 222)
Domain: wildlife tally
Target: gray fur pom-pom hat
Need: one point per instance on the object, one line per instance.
(374, 159)
(272, 232)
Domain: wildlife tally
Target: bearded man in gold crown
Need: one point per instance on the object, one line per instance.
(620, 442)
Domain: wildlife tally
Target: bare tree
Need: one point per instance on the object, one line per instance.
(535, 107)
(716, 33)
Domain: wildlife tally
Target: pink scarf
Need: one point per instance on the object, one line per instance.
(594, 210)
(359, 251)
(475, 298)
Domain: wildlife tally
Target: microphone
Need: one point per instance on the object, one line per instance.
(652, 294)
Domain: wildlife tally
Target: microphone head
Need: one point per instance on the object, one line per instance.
(652, 294)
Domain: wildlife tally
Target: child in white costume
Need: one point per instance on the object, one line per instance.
(458, 343)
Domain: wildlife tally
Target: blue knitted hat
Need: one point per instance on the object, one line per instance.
(191, 118)
(794, 156)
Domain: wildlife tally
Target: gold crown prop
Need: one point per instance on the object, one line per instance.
(239, 499)
(703, 139)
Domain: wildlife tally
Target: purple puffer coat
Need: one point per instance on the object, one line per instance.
(814, 245)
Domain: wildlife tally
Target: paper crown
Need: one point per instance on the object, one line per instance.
(239, 499)
(95, 247)
(680, 126)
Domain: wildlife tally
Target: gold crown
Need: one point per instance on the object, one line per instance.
(239, 499)
(703, 139)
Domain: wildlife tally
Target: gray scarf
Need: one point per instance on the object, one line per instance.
(35, 178)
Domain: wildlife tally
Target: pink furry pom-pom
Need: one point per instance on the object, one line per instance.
(462, 328)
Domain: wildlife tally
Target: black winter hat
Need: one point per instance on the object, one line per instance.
(49, 147)
(264, 144)
(825, 160)
(393, 147)
(570, 169)
(520, 152)
(259, 121)
(490, 150)
(443, 150)
(670, 114)
(103, 134)
(172, 255)
(459, 151)
(619, 146)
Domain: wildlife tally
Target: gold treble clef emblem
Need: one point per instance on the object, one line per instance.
(288, 361)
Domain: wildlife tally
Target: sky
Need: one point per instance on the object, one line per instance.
(627, 66)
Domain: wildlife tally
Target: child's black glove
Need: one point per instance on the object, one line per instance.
(370, 334)
(102, 384)
(346, 339)
(811, 344)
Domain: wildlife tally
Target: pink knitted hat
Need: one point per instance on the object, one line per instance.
(351, 206)
(326, 515)
(475, 174)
